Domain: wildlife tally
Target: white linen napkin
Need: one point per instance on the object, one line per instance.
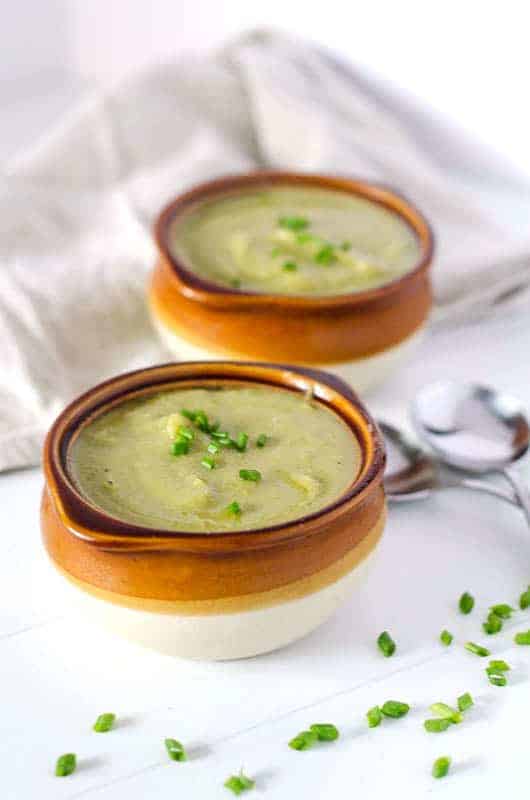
(75, 212)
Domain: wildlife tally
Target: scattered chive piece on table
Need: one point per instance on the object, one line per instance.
(345, 246)
(241, 442)
(374, 717)
(437, 725)
(175, 750)
(464, 702)
(293, 223)
(444, 711)
(502, 610)
(524, 600)
(523, 637)
(289, 266)
(386, 644)
(446, 638)
(234, 508)
(325, 731)
(440, 768)
(499, 666)
(239, 783)
(180, 448)
(213, 448)
(326, 254)
(65, 765)
(261, 441)
(477, 649)
(208, 462)
(275, 252)
(466, 603)
(493, 624)
(395, 709)
(496, 678)
(250, 475)
(303, 741)
(104, 723)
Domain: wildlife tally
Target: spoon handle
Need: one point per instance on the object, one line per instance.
(521, 490)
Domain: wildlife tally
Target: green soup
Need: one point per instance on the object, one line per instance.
(295, 241)
(214, 459)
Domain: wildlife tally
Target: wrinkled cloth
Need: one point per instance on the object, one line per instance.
(76, 211)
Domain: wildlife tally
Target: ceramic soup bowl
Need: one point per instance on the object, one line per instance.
(361, 336)
(219, 594)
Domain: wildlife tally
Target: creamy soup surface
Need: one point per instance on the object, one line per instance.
(295, 241)
(173, 460)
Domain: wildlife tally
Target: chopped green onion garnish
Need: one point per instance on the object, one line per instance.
(275, 252)
(493, 624)
(188, 414)
(208, 462)
(304, 740)
(326, 254)
(465, 701)
(293, 223)
(440, 768)
(395, 709)
(175, 750)
(466, 603)
(304, 238)
(386, 644)
(444, 711)
(502, 610)
(374, 717)
(223, 437)
(104, 723)
(325, 731)
(261, 441)
(477, 649)
(239, 783)
(496, 678)
(184, 432)
(180, 447)
(241, 442)
(235, 282)
(437, 725)
(234, 508)
(65, 765)
(213, 448)
(499, 666)
(250, 475)
(523, 637)
(446, 638)
(524, 600)
(201, 421)
(289, 266)
(345, 246)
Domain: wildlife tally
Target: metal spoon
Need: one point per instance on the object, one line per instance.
(475, 428)
(412, 474)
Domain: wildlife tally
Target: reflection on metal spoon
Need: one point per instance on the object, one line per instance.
(412, 474)
(475, 428)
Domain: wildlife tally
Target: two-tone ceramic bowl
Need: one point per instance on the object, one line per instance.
(214, 594)
(255, 294)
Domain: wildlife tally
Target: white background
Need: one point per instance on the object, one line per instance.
(470, 60)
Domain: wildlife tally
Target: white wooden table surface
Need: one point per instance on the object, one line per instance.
(57, 674)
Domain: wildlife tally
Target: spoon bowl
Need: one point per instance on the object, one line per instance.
(475, 428)
(412, 474)
(471, 427)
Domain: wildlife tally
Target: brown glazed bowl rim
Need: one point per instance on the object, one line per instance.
(92, 524)
(202, 290)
